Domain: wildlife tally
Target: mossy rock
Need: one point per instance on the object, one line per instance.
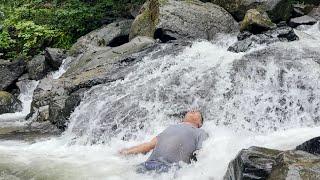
(9, 103)
(256, 23)
(145, 23)
(182, 20)
(278, 10)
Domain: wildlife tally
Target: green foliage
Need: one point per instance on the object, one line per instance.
(28, 26)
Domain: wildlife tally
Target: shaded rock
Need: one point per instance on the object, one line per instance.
(256, 23)
(38, 67)
(252, 163)
(183, 20)
(262, 163)
(55, 56)
(303, 20)
(10, 72)
(278, 10)
(135, 10)
(9, 103)
(315, 13)
(247, 41)
(61, 107)
(311, 146)
(42, 94)
(240, 46)
(282, 24)
(113, 34)
(244, 35)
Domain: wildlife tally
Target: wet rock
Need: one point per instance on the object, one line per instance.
(240, 46)
(10, 72)
(311, 146)
(95, 67)
(252, 163)
(315, 13)
(182, 20)
(61, 107)
(247, 41)
(303, 20)
(38, 67)
(244, 35)
(262, 163)
(9, 103)
(114, 34)
(55, 56)
(256, 23)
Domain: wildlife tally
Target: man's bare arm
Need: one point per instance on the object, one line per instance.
(140, 149)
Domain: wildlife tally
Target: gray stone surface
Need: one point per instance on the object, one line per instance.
(55, 56)
(10, 72)
(303, 20)
(102, 37)
(38, 67)
(182, 20)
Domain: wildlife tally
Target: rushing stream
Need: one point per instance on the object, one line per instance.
(267, 97)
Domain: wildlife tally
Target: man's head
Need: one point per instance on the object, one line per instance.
(194, 117)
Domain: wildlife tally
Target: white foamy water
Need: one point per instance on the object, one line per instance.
(26, 88)
(271, 102)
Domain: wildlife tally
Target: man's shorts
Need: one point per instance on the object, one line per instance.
(157, 166)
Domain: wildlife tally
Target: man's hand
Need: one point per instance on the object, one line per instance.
(140, 149)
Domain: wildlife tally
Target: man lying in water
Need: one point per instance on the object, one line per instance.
(176, 143)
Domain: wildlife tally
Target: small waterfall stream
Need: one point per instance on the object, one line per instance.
(268, 97)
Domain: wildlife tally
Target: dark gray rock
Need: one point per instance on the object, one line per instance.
(9, 103)
(61, 107)
(252, 163)
(113, 34)
(311, 146)
(240, 46)
(55, 56)
(303, 20)
(10, 72)
(244, 35)
(38, 67)
(262, 163)
(182, 20)
(247, 41)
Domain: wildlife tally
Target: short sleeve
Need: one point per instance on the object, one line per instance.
(202, 137)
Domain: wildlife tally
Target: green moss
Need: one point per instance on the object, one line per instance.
(5, 98)
(145, 24)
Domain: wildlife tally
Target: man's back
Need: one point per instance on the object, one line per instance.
(178, 143)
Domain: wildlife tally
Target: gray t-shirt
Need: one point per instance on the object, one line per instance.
(178, 143)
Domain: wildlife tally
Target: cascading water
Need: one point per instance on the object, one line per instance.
(267, 97)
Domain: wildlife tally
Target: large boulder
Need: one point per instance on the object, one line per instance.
(255, 22)
(303, 20)
(10, 72)
(183, 20)
(113, 34)
(55, 56)
(277, 9)
(311, 146)
(38, 67)
(9, 103)
(55, 99)
(262, 163)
